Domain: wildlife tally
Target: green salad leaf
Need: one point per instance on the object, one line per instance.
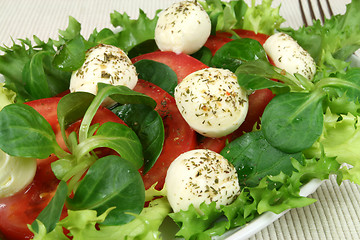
(275, 193)
(149, 127)
(331, 43)
(52, 212)
(25, 64)
(82, 224)
(6, 96)
(133, 31)
(226, 16)
(25, 133)
(253, 165)
(110, 182)
(157, 73)
(236, 52)
(262, 18)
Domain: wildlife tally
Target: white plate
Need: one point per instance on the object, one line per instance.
(336, 215)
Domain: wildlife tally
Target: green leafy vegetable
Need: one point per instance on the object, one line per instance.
(120, 94)
(148, 125)
(340, 134)
(234, 53)
(204, 55)
(251, 164)
(25, 133)
(147, 46)
(72, 107)
(225, 16)
(333, 42)
(117, 137)
(51, 213)
(157, 73)
(111, 182)
(81, 224)
(72, 54)
(133, 32)
(253, 201)
(292, 122)
(193, 222)
(34, 77)
(262, 18)
(6, 96)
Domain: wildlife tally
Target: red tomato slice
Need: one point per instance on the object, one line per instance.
(260, 37)
(217, 41)
(182, 64)
(258, 100)
(23, 207)
(179, 137)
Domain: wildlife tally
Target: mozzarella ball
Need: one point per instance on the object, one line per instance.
(106, 64)
(199, 176)
(287, 54)
(15, 173)
(212, 102)
(184, 27)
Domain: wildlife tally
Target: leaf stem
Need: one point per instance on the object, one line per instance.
(336, 82)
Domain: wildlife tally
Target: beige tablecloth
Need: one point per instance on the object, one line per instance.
(336, 214)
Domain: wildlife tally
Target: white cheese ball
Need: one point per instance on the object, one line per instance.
(15, 173)
(287, 54)
(106, 64)
(212, 102)
(184, 27)
(199, 176)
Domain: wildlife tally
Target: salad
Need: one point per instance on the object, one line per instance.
(94, 165)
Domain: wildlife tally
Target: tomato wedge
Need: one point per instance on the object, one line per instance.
(217, 41)
(182, 64)
(179, 137)
(23, 207)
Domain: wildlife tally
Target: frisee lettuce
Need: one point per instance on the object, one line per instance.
(262, 18)
(6, 96)
(274, 193)
(226, 16)
(37, 69)
(82, 225)
(333, 42)
(341, 133)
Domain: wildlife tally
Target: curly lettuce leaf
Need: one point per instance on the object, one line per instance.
(24, 64)
(225, 16)
(133, 31)
(6, 96)
(274, 193)
(333, 42)
(82, 225)
(262, 18)
(341, 133)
